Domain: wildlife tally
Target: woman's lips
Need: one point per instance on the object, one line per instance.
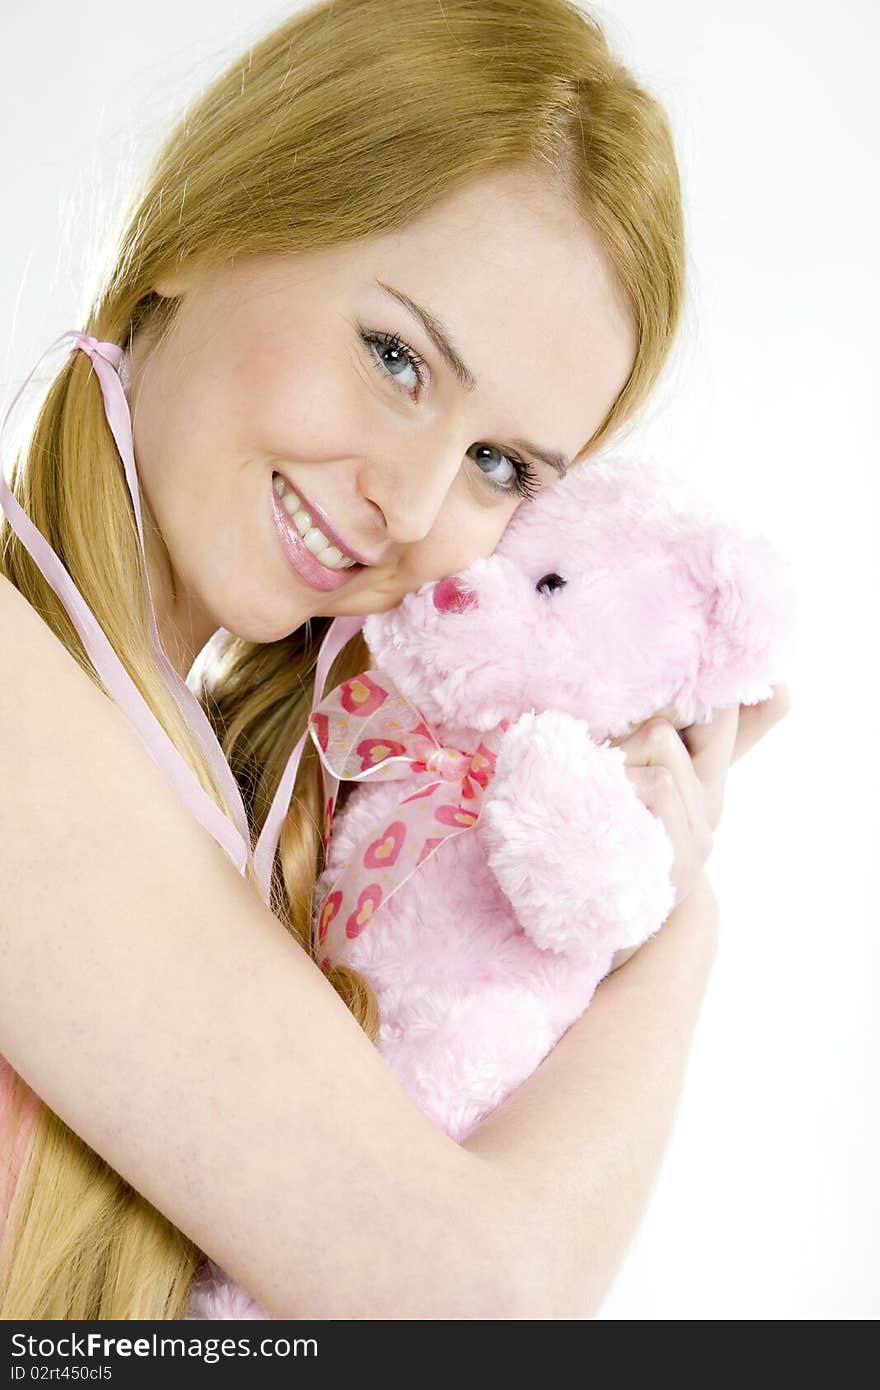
(323, 523)
(301, 560)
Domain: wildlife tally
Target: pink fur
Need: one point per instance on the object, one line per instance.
(495, 946)
(214, 1295)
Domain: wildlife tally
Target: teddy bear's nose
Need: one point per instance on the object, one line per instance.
(453, 596)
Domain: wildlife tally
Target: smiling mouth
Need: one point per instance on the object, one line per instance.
(313, 538)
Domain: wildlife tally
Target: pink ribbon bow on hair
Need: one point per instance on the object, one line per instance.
(366, 728)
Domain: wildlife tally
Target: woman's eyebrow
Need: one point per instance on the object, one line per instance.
(440, 337)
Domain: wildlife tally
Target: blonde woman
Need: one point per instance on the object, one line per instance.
(412, 260)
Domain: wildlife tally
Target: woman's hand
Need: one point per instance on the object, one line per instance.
(757, 720)
(680, 776)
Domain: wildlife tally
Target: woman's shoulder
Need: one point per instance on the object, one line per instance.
(11, 602)
(10, 595)
(41, 677)
(24, 655)
(24, 634)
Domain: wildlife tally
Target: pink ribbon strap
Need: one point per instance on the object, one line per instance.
(368, 730)
(338, 634)
(230, 830)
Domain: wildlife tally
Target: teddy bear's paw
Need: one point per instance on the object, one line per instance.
(586, 866)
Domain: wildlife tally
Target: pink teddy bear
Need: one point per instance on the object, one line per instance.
(614, 594)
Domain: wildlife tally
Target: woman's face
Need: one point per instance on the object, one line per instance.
(313, 367)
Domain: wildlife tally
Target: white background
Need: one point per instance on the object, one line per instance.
(766, 1206)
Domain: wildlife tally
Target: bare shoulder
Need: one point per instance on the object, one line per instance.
(26, 638)
(14, 604)
(14, 610)
(41, 679)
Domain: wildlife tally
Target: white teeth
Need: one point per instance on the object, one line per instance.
(331, 555)
(292, 505)
(314, 539)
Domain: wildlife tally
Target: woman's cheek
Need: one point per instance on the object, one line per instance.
(305, 416)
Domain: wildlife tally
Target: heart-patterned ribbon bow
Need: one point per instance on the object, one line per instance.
(368, 729)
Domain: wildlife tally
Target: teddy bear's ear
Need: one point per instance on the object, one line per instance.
(750, 613)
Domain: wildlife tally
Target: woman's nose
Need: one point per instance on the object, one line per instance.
(409, 489)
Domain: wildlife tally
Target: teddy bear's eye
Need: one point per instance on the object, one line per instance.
(549, 583)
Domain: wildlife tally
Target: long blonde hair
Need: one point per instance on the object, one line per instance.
(346, 120)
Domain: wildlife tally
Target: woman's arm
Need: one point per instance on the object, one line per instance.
(584, 1135)
(161, 1010)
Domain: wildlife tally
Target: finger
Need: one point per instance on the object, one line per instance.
(757, 720)
(656, 744)
(661, 796)
(711, 746)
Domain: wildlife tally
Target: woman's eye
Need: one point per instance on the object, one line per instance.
(393, 357)
(515, 475)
